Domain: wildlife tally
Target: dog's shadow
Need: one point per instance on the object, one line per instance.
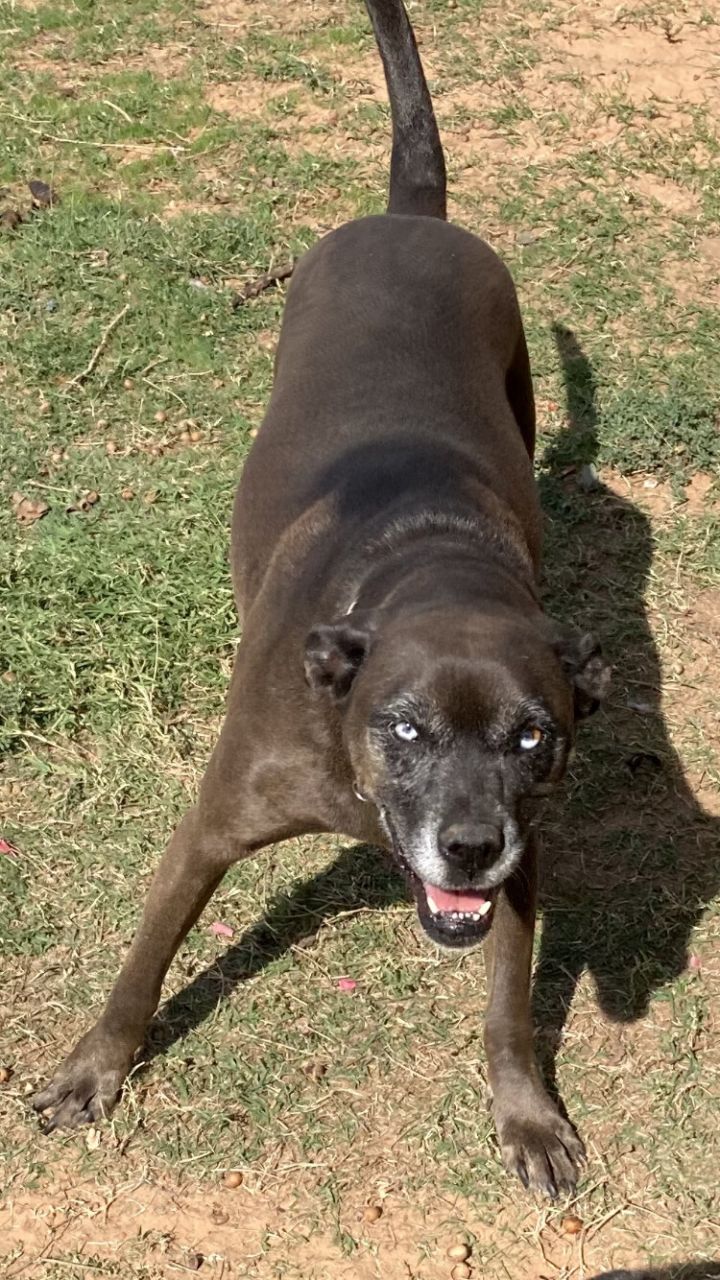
(629, 857)
(681, 1271)
(361, 876)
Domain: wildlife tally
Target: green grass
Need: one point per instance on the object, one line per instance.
(117, 634)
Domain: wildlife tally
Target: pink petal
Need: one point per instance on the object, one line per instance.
(695, 961)
(221, 930)
(346, 984)
(7, 847)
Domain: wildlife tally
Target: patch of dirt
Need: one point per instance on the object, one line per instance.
(43, 53)
(253, 1232)
(313, 124)
(642, 64)
(240, 16)
(246, 98)
(46, 53)
(165, 61)
(656, 496)
(669, 194)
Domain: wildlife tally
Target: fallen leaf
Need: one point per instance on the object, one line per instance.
(645, 761)
(27, 510)
(346, 984)
(221, 930)
(43, 195)
(84, 503)
(7, 846)
(315, 1070)
(10, 219)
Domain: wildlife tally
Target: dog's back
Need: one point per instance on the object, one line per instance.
(383, 393)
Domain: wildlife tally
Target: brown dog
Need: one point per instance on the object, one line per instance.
(397, 679)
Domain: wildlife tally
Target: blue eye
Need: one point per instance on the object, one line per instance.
(405, 731)
(531, 738)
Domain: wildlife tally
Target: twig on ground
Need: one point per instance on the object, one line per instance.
(85, 373)
(255, 287)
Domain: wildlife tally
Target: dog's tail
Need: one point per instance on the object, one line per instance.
(417, 167)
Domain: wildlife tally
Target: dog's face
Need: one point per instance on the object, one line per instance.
(456, 726)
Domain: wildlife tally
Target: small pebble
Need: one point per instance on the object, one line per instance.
(161, 416)
(127, 493)
(253, 432)
(5, 1074)
(195, 436)
(128, 384)
(459, 1252)
(372, 1213)
(571, 1224)
(461, 1271)
(233, 1179)
(110, 446)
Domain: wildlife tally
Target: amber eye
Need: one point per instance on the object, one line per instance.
(531, 737)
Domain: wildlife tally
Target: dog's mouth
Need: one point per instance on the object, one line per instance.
(451, 917)
(455, 917)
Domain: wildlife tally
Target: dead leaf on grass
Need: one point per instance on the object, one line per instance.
(27, 510)
(10, 219)
(42, 193)
(84, 503)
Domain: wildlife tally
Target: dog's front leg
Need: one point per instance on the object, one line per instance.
(87, 1084)
(535, 1141)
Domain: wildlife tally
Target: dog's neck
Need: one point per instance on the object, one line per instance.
(471, 556)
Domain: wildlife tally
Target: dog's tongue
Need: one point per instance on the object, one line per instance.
(451, 900)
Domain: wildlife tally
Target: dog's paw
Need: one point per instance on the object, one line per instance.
(543, 1150)
(87, 1085)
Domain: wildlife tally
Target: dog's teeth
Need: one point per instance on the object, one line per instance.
(484, 908)
(433, 905)
(475, 915)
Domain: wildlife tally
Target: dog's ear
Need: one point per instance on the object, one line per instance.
(335, 653)
(589, 673)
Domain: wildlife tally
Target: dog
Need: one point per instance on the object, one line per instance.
(397, 681)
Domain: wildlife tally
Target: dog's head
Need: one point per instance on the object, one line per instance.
(455, 725)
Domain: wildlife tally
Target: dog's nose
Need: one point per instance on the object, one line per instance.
(471, 846)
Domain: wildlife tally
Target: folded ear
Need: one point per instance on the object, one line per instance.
(582, 660)
(334, 654)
